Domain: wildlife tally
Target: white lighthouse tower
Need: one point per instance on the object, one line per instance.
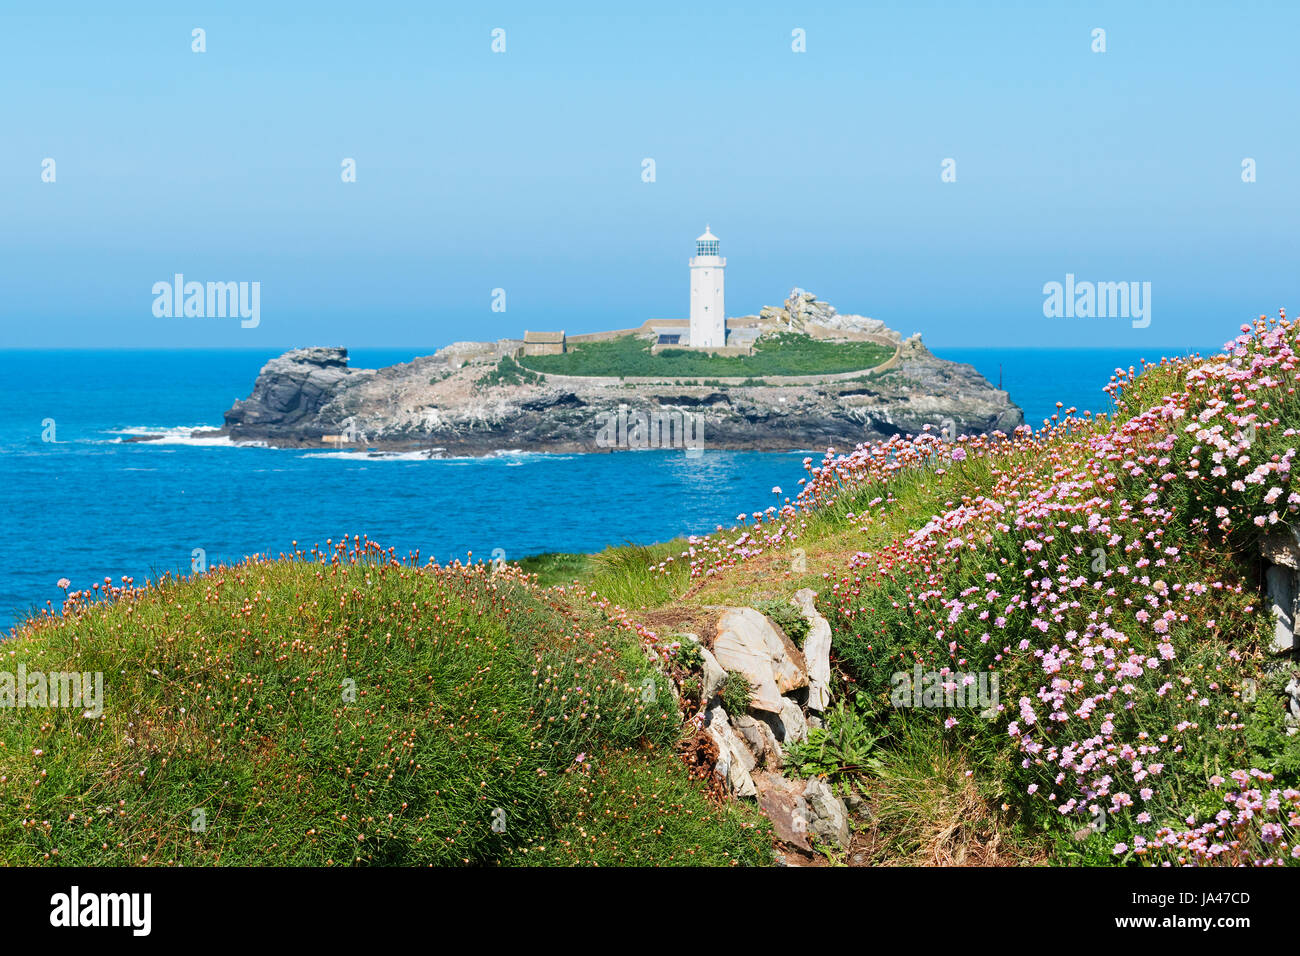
(708, 323)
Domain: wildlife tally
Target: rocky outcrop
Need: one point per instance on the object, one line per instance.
(760, 739)
(816, 650)
(712, 674)
(1280, 550)
(788, 725)
(751, 746)
(445, 403)
(804, 312)
(804, 811)
(749, 643)
(782, 801)
(735, 761)
(291, 390)
(828, 818)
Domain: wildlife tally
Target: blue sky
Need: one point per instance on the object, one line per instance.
(522, 170)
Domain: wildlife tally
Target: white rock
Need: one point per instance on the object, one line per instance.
(712, 675)
(816, 650)
(748, 643)
(829, 817)
(761, 740)
(789, 724)
(1281, 546)
(734, 759)
(1280, 585)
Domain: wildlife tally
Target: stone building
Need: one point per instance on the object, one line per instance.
(544, 343)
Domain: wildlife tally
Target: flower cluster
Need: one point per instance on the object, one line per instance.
(1096, 566)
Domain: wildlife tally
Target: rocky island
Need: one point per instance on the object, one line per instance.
(479, 398)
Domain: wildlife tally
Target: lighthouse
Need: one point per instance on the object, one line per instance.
(708, 324)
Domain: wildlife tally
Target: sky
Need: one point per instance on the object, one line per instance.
(523, 170)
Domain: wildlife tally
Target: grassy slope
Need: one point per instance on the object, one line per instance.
(1097, 560)
(474, 699)
(782, 354)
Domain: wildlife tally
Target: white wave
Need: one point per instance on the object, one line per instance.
(179, 435)
(371, 455)
(509, 457)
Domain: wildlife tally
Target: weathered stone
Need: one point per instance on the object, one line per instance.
(1280, 583)
(291, 389)
(1291, 719)
(816, 649)
(782, 801)
(804, 312)
(760, 739)
(788, 724)
(750, 644)
(711, 673)
(829, 818)
(858, 805)
(734, 759)
(1281, 546)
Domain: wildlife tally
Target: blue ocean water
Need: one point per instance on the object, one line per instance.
(88, 506)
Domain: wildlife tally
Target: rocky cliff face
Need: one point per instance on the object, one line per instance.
(437, 402)
(292, 389)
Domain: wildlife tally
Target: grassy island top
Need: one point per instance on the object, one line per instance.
(785, 353)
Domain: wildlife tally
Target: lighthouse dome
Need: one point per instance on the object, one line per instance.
(707, 244)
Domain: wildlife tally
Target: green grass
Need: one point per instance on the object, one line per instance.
(506, 372)
(781, 354)
(736, 692)
(557, 567)
(317, 713)
(626, 574)
(788, 618)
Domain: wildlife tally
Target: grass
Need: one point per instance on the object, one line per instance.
(735, 693)
(787, 617)
(554, 567)
(630, 575)
(780, 354)
(506, 372)
(346, 709)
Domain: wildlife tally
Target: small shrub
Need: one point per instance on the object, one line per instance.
(736, 693)
(507, 372)
(842, 747)
(689, 656)
(788, 618)
(691, 688)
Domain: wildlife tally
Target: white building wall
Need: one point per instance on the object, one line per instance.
(708, 318)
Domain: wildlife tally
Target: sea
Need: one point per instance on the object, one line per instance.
(84, 504)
